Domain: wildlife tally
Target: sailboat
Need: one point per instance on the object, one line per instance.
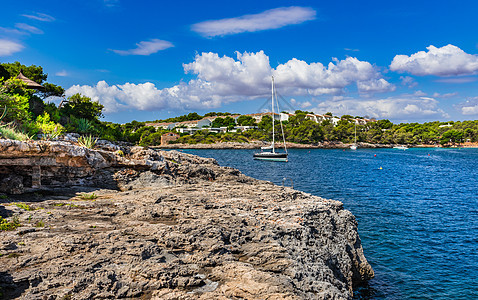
(354, 145)
(273, 155)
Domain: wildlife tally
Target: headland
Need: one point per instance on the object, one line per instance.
(131, 222)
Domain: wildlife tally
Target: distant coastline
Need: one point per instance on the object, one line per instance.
(321, 145)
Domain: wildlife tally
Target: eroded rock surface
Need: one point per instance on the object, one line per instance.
(194, 230)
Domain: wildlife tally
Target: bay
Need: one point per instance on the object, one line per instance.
(417, 211)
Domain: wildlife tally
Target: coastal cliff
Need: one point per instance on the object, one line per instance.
(176, 226)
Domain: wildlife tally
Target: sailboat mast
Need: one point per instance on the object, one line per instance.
(355, 132)
(273, 133)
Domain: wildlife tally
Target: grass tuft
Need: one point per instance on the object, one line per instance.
(87, 141)
(91, 196)
(23, 206)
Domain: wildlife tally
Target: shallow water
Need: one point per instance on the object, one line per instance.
(417, 215)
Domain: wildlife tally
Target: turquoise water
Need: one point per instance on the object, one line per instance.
(418, 215)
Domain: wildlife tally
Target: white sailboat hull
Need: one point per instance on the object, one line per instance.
(271, 156)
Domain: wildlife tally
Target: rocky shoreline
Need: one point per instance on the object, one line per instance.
(140, 223)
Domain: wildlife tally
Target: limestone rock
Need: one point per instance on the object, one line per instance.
(186, 229)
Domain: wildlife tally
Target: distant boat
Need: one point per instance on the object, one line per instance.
(273, 155)
(354, 145)
(401, 147)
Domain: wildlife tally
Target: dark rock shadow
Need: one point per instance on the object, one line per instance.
(9, 289)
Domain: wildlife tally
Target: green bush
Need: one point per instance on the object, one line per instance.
(9, 225)
(87, 141)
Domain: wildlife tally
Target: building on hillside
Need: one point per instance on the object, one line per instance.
(204, 122)
(168, 126)
(194, 124)
(168, 137)
(212, 118)
(335, 120)
(258, 116)
(285, 116)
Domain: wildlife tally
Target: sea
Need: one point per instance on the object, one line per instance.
(417, 211)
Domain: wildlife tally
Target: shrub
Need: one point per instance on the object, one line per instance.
(6, 225)
(50, 129)
(23, 206)
(10, 132)
(87, 141)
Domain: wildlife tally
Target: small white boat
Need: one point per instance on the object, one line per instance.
(273, 155)
(401, 147)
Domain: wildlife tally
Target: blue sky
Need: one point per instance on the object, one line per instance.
(146, 60)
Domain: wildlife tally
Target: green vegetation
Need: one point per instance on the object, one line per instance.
(9, 225)
(40, 224)
(66, 204)
(23, 206)
(91, 196)
(87, 141)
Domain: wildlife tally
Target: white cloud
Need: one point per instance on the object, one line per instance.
(400, 107)
(61, 73)
(40, 17)
(447, 95)
(375, 86)
(468, 107)
(458, 80)
(224, 79)
(269, 19)
(9, 47)
(29, 28)
(305, 104)
(12, 31)
(146, 48)
(419, 93)
(351, 49)
(445, 61)
(408, 81)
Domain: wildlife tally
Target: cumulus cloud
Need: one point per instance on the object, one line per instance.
(305, 104)
(445, 61)
(375, 86)
(468, 107)
(28, 28)
(400, 107)
(225, 79)
(40, 17)
(146, 48)
(9, 47)
(408, 81)
(269, 19)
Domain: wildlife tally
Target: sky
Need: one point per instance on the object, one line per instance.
(406, 61)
